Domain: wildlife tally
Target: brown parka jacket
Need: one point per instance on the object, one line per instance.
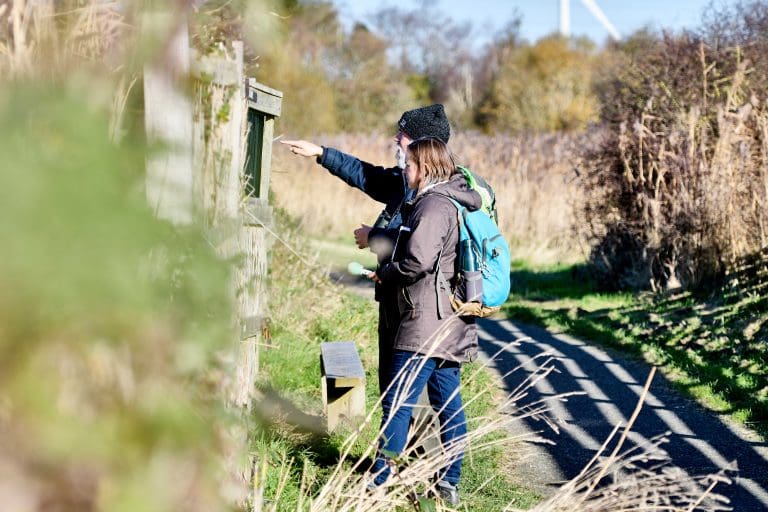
(430, 231)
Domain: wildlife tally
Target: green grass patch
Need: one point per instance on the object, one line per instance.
(712, 347)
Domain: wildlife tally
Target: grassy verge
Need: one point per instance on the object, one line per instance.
(713, 347)
(296, 456)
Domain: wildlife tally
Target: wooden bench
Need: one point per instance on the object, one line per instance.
(342, 382)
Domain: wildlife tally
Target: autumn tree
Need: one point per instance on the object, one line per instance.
(370, 93)
(433, 52)
(542, 87)
(296, 64)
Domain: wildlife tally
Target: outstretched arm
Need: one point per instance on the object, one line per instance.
(382, 184)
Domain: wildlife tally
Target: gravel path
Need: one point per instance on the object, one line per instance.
(700, 442)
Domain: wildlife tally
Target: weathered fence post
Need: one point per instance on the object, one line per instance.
(206, 170)
(219, 96)
(232, 184)
(233, 142)
(264, 104)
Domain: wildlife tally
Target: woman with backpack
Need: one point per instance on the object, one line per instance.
(431, 341)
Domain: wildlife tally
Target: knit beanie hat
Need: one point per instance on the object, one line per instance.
(426, 122)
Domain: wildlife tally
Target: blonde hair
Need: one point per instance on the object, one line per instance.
(433, 158)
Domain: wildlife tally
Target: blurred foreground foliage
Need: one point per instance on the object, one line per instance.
(109, 322)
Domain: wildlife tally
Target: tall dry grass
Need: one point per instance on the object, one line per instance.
(619, 477)
(50, 37)
(677, 187)
(534, 179)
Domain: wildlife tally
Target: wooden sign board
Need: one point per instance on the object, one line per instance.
(264, 104)
(264, 99)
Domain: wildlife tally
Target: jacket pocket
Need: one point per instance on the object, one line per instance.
(409, 301)
(443, 297)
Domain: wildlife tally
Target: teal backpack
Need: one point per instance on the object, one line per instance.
(483, 282)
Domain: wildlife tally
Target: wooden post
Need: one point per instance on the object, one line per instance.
(168, 122)
(201, 174)
(234, 209)
(220, 198)
(252, 306)
(218, 135)
(264, 104)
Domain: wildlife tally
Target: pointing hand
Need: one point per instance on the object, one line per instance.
(303, 147)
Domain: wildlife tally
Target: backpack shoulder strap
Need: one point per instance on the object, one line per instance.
(441, 283)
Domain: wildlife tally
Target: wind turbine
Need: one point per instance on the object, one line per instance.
(565, 18)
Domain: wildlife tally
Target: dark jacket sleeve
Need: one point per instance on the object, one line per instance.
(380, 183)
(431, 226)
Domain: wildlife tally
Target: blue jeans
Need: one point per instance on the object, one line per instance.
(389, 321)
(442, 380)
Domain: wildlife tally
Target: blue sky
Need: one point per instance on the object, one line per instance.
(540, 17)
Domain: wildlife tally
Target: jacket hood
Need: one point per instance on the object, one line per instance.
(458, 189)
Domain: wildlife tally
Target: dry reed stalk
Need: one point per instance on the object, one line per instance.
(49, 37)
(678, 192)
(117, 109)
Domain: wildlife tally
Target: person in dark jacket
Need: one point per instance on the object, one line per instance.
(431, 342)
(386, 185)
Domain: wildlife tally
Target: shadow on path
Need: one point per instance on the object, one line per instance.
(699, 441)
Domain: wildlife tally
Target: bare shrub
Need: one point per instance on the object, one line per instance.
(533, 177)
(676, 187)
